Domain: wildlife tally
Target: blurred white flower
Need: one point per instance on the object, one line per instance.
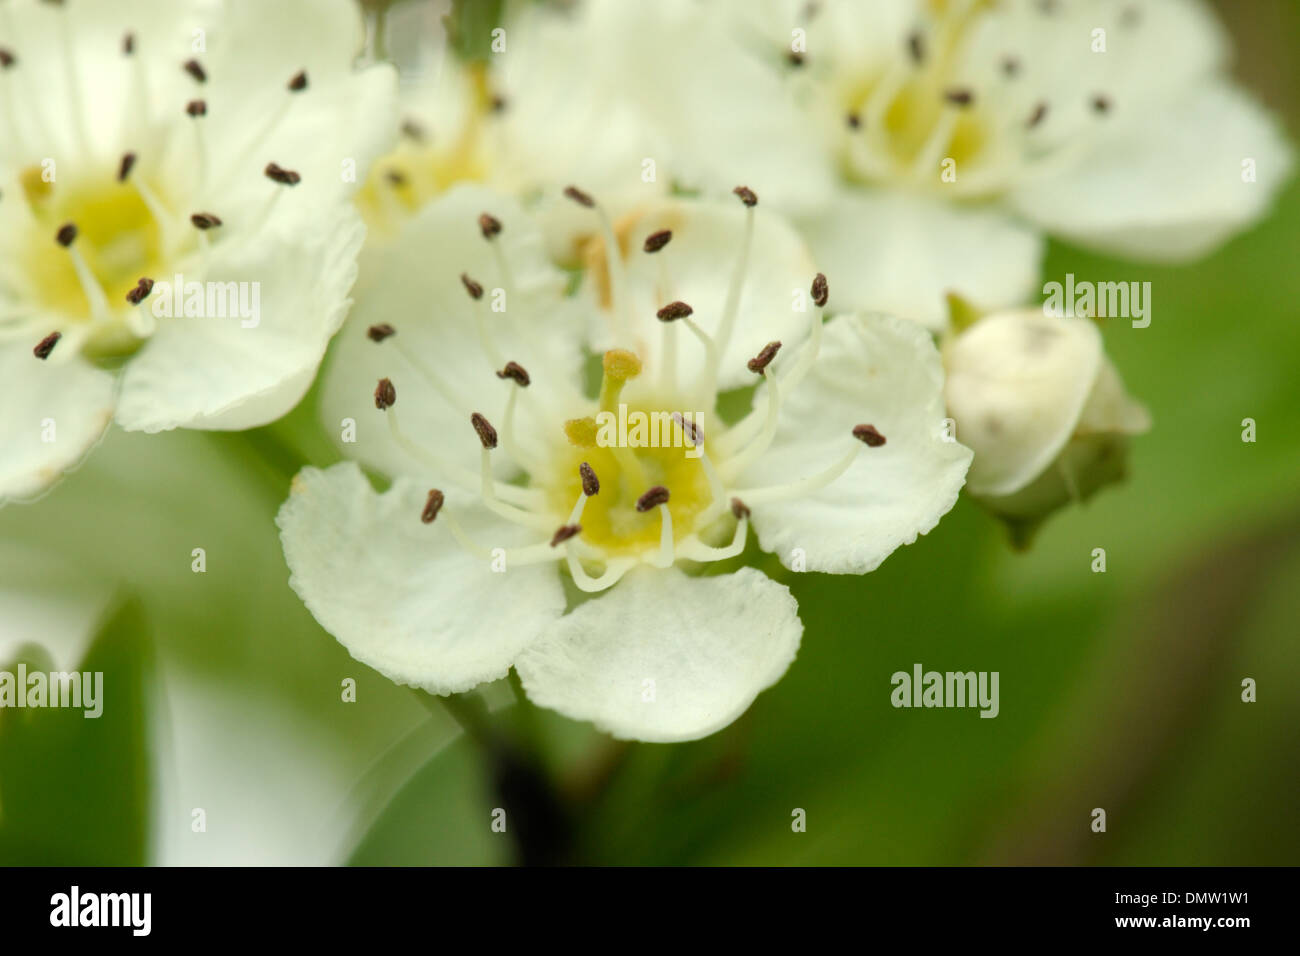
(209, 146)
(1044, 411)
(523, 487)
(923, 145)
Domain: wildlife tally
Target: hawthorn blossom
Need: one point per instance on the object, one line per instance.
(523, 529)
(1043, 409)
(958, 133)
(159, 163)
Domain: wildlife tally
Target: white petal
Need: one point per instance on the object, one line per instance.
(1168, 186)
(596, 92)
(415, 286)
(1017, 384)
(54, 412)
(666, 657)
(215, 373)
(401, 595)
(901, 253)
(874, 370)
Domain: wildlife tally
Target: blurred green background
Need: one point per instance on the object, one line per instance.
(1119, 690)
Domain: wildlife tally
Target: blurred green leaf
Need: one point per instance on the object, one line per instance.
(75, 790)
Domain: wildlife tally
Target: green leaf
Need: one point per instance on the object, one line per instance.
(74, 789)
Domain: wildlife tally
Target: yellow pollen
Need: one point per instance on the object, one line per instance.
(581, 432)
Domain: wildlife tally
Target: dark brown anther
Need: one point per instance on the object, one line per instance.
(656, 496)
(1037, 116)
(590, 483)
(959, 97)
(128, 44)
(205, 220)
(473, 288)
(285, 177)
(693, 430)
(66, 235)
(794, 58)
(385, 394)
(565, 533)
(1101, 103)
(124, 168)
(377, 333)
(299, 82)
(516, 373)
(657, 240)
(1010, 66)
(413, 130)
(739, 509)
(578, 196)
(868, 435)
(7, 59)
(490, 226)
(763, 359)
(195, 69)
(916, 47)
(486, 433)
(46, 345)
(196, 108)
(853, 120)
(820, 290)
(498, 103)
(141, 291)
(395, 177)
(747, 195)
(673, 311)
(432, 506)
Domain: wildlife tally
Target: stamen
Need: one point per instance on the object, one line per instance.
(140, 292)
(432, 506)
(205, 220)
(693, 431)
(196, 108)
(820, 290)
(195, 69)
(620, 366)
(474, 289)
(285, 177)
(128, 44)
(298, 83)
(124, 170)
(732, 305)
(916, 47)
(656, 496)
(490, 226)
(377, 333)
(760, 362)
(739, 509)
(590, 483)
(868, 435)
(564, 533)
(693, 549)
(7, 59)
(46, 345)
(90, 287)
(959, 97)
(516, 373)
(613, 573)
(1037, 116)
(657, 240)
(1101, 103)
(487, 435)
(385, 394)
(673, 311)
(578, 196)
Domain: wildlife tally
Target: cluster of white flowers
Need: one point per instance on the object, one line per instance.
(557, 238)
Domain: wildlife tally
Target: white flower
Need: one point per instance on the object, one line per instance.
(960, 131)
(148, 141)
(1044, 410)
(840, 460)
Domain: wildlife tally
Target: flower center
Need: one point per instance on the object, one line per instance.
(117, 242)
